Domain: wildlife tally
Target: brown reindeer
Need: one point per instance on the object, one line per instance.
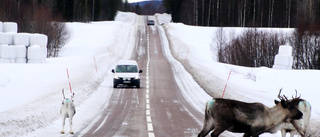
(252, 119)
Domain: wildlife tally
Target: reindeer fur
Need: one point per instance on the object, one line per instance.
(67, 111)
(252, 119)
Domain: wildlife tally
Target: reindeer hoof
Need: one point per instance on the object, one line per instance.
(62, 132)
(71, 132)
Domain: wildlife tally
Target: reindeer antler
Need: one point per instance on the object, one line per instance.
(282, 97)
(72, 96)
(296, 95)
(63, 94)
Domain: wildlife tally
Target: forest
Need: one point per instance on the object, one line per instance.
(253, 48)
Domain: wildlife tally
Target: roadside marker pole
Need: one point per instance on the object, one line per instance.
(95, 63)
(226, 84)
(69, 80)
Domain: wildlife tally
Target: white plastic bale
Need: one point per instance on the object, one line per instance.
(285, 50)
(21, 51)
(10, 27)
(8, 52)
(20, 60)
(284, 60)
(281, 67)
(21, 39)
(7, 60)
(6, 38)
(1, 27)
(36, 52)
(38, 39)
(36, 61)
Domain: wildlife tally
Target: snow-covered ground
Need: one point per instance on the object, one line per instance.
(30, 94)
(190, 45)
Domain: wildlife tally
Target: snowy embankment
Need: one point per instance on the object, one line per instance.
(31, 93)
(191, 46)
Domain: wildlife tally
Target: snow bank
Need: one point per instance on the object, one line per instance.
(11, 27)
(126, 17)
(245, 84)
(163, 18)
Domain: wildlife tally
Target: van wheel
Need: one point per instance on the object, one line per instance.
(115, 85)
(138, 86)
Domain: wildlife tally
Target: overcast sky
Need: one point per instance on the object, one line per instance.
(131, 1)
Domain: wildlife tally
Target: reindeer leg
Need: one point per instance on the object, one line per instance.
(63, 121)
(217, 131)
(207, 127)
(70, 123)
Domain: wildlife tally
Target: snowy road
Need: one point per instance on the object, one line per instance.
(158, 108)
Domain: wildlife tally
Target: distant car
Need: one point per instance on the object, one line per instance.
(126, 73)
(150, 22)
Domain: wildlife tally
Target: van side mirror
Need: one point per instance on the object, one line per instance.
(112, 70)
(140, 71)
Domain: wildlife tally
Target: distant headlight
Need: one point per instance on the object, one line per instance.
(116, 77)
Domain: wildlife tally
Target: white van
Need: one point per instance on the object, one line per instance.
(126, 73)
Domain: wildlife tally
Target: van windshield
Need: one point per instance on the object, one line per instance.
(127, 69)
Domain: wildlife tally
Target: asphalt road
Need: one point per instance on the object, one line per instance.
(158, 107)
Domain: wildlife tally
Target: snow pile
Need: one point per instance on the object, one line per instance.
(163, 18)
(127, 17)
(12, 42)
(284, 59)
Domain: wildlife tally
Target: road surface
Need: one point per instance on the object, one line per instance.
(158, 107)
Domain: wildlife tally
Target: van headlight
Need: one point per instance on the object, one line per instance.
(116, 77)
(136, 77)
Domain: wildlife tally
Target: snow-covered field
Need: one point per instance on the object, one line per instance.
(191, 46)
(30, 94)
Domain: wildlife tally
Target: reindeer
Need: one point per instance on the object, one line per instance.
(298, 126)
(67, 111)
(252, 119)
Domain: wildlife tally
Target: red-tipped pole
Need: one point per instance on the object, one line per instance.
(226, 84)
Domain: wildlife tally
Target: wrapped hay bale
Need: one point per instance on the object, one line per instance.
(11, 27)
(6, 38)
(7, 60)
(38, 39)
(1, 27)
(283, 60)
(21, 39)
(36, 52)
(21, 60)
(36, 61)
(21, 51)
(8, 52)
(285, 50)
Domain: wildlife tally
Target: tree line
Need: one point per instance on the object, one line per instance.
(245, 13)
